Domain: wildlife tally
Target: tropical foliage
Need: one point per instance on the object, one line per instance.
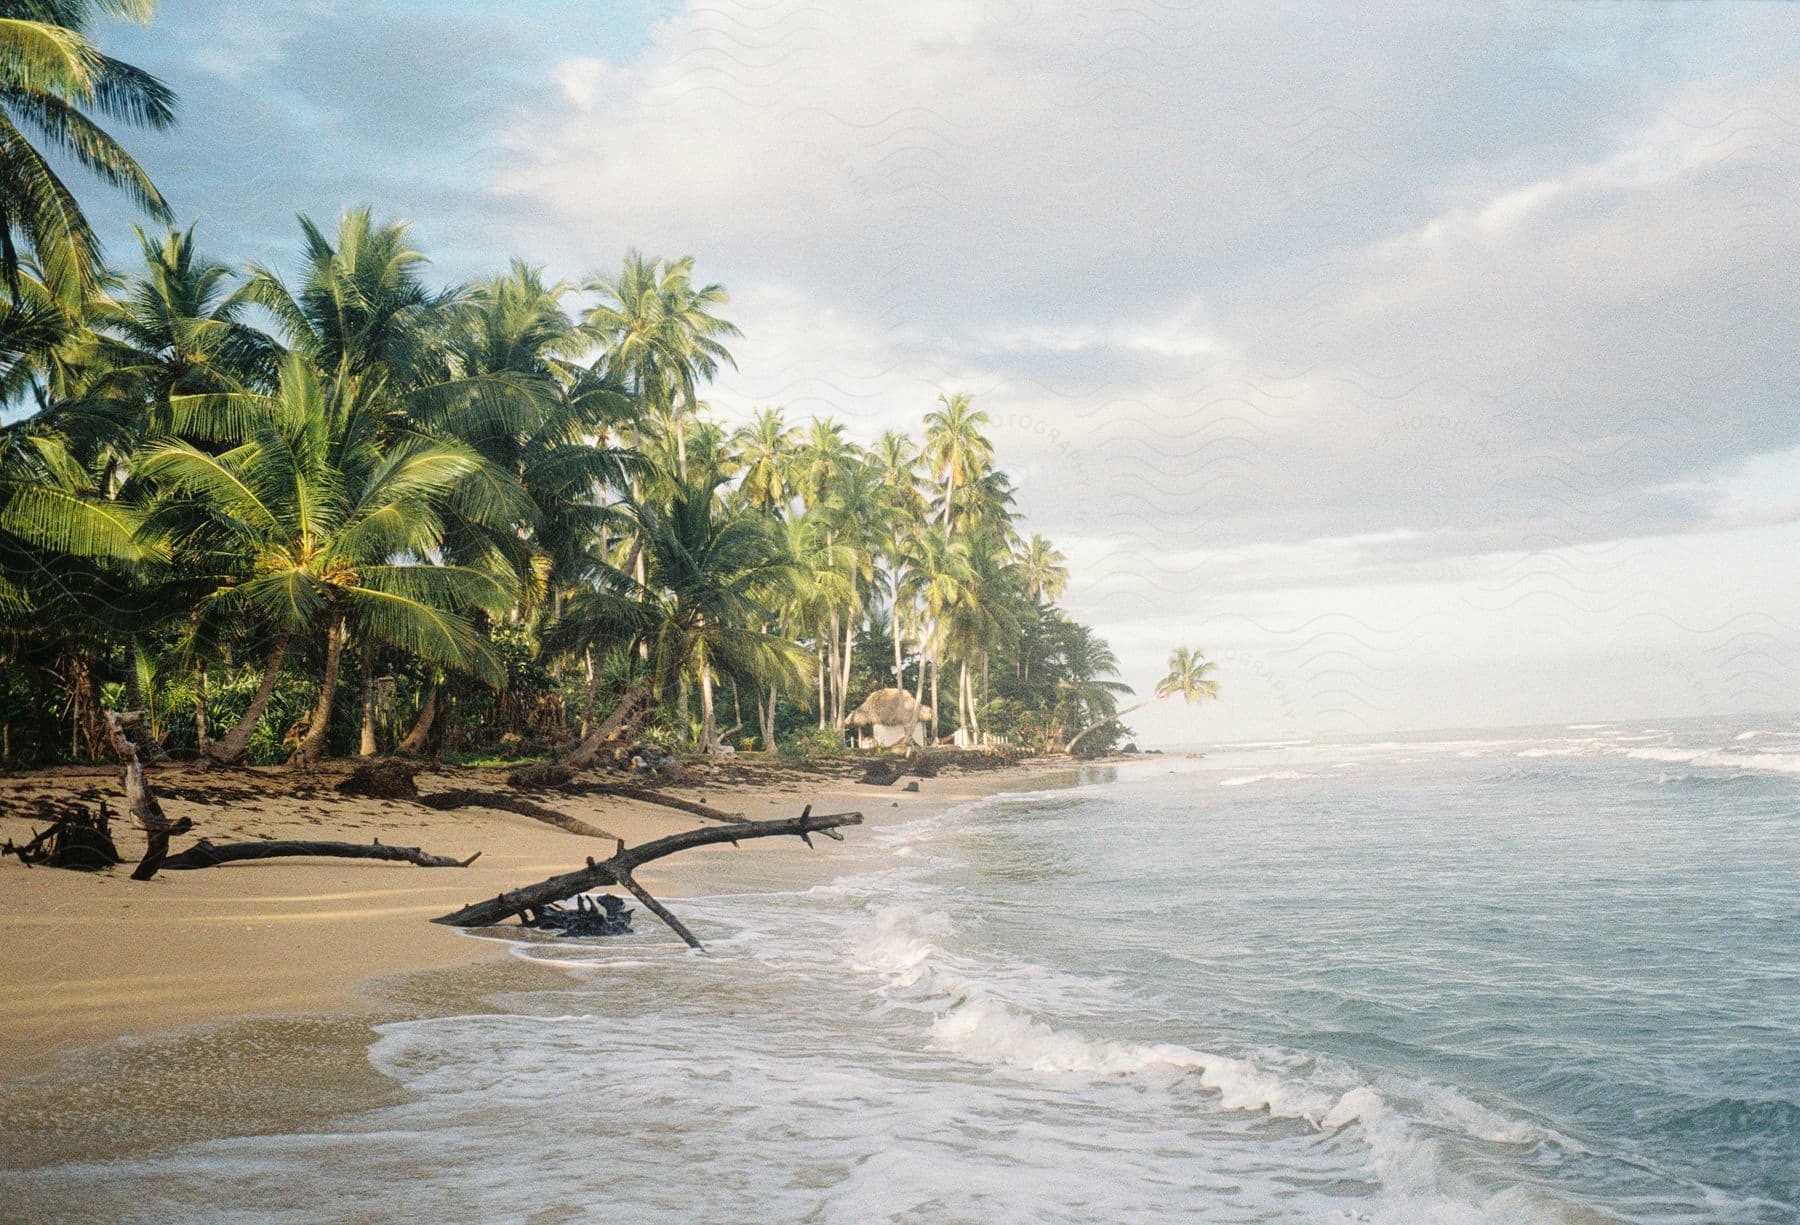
(335, 507)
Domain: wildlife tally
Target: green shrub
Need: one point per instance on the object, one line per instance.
(814, 743)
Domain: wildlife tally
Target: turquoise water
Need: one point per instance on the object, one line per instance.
(1545, 975)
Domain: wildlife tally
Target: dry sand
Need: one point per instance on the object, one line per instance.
(90, 957)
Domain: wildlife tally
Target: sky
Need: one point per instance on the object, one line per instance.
(1425, 369)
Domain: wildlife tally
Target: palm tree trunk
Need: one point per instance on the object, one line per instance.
(962, 700)
(936, 668)
(231, 746)
(831, 668)
(414, 744)
(366, 744)
(709, 724)
(1099, 723)
(318, 730)
(582, 755)
(849, 655)
(768, 724)
(202, 736)
(821, 678)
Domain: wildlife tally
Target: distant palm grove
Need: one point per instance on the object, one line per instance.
(331, 508)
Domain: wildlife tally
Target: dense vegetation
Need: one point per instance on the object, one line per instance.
(335, 508)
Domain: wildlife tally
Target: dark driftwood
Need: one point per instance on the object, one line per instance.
(78, 838)
(157, 852)
(140, 800)
(204, 854)
(644, 795)
(468, 797)
(604, 915)
(618, 869)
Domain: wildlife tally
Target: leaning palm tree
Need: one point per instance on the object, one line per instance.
(311, 527)
(51, 75)
(1189, 677)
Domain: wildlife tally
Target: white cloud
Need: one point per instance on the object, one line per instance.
(1279, 324)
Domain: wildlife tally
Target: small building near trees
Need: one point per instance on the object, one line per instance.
(889, 718)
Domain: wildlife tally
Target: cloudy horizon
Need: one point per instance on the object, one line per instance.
(1426, 372)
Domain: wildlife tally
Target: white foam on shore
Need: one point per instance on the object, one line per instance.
(906, 945)
(1245, 780)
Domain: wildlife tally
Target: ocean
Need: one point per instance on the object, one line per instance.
(1537, 975)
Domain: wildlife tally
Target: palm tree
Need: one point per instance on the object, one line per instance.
(1189, 677)
(765, 454)
(51, 74)
(699, 608)
(176, 339)
(660, 333)
(1083, 663)
(553, 442)
(956, 450)
(939, 576)
(1044, 570)
(360, 305)
(70, 561)
(310, 526)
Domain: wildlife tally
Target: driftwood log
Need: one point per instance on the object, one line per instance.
(204, 854)
(619, 868)
(78, 838)
(140, 801)
(644, 795)
(604, 915)
(469, 797)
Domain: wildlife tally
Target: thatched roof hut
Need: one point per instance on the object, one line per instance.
(890, 714)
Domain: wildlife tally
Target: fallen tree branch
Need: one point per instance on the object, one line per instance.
(618, 869)
(140, 800)
(204, 854)
(78, 838)
(644, 795)
(156, 850)
(469, 797)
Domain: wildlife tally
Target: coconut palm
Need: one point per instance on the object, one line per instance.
(1044, 570)
(700, 604)
(765, 453)
(956, 451)
(554, 442)
(177, 338)
(939, 576)
(1189, 678)
(310, 526)
(660, 334)
(822, 460)
(51, 76)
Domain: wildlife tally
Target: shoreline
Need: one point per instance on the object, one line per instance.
(101, 961)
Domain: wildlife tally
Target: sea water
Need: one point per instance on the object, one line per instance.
(1539, 975)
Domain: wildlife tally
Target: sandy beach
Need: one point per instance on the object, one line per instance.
(93, 957)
